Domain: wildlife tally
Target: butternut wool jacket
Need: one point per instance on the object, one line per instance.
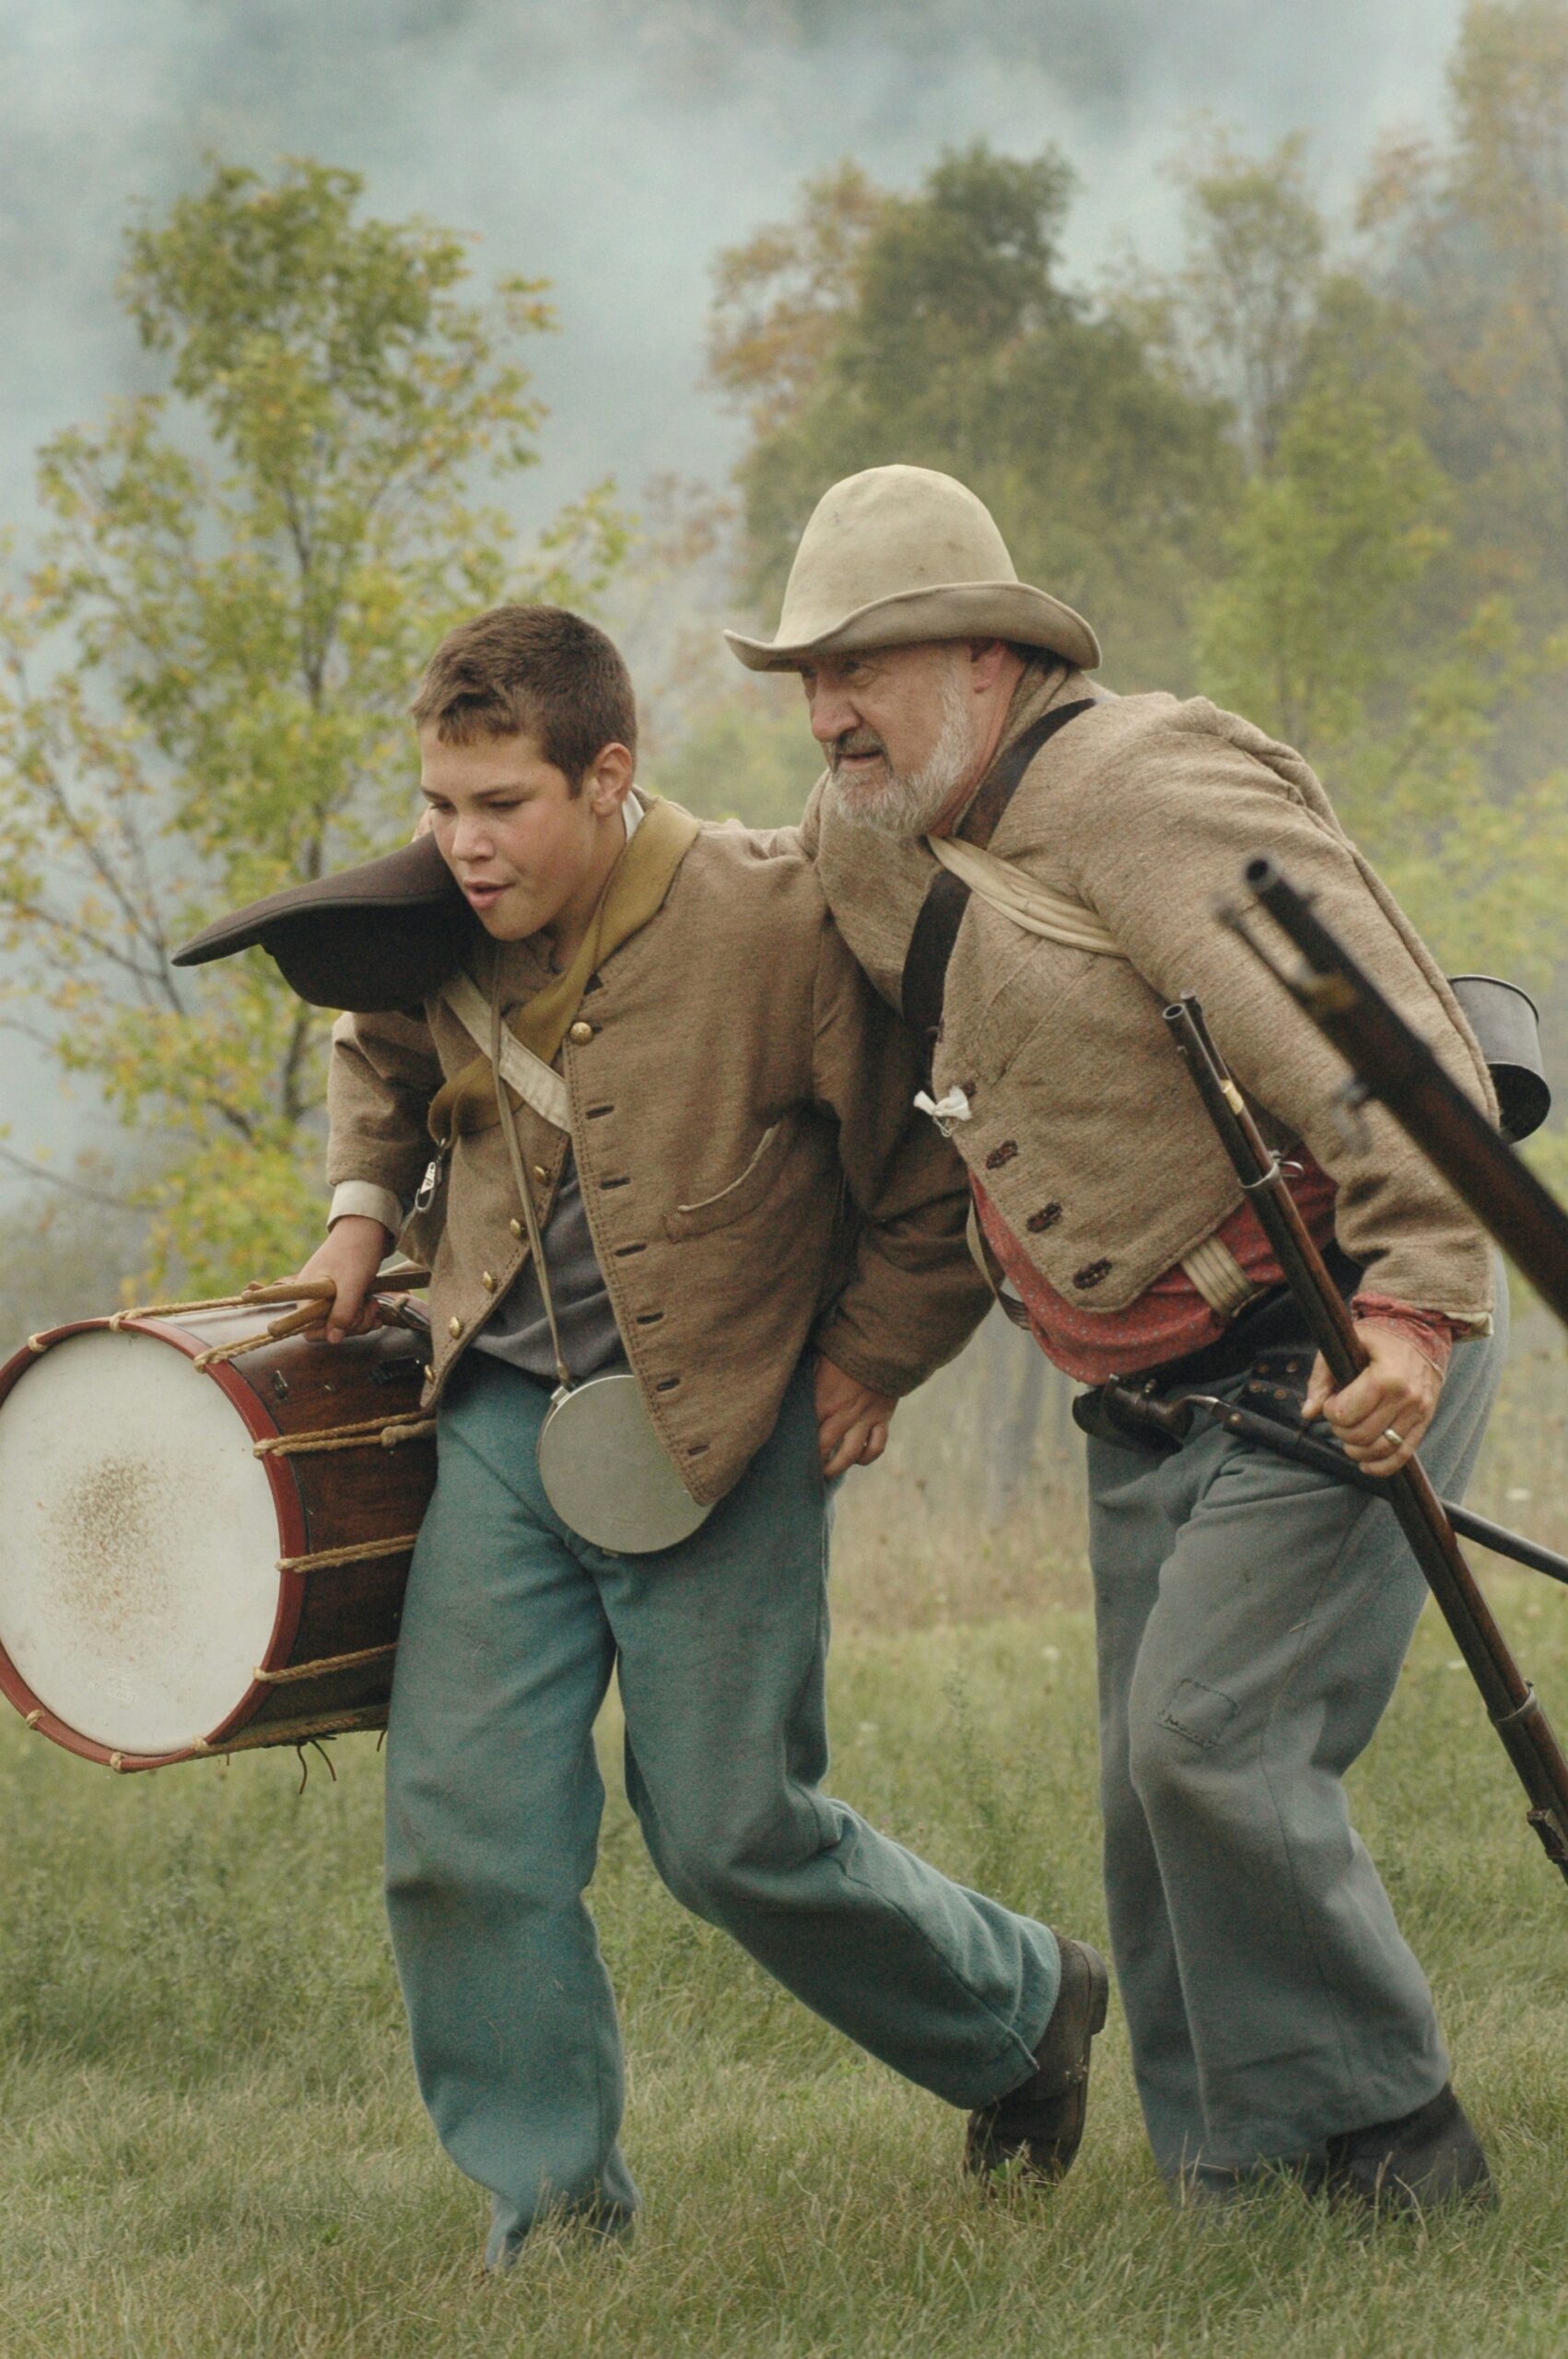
(751, 1165)
(1086, 1131)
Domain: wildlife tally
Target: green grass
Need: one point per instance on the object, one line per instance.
(213, 2145)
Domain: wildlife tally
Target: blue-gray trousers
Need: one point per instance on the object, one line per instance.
(511, 1628)
(1253, 1617)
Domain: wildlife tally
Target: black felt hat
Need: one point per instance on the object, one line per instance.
(382, 936)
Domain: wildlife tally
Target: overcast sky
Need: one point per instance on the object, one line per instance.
(612, 145)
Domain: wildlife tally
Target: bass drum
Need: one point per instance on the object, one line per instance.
(205, 1533)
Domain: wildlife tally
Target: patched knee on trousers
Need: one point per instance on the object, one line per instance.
(1199, 1713)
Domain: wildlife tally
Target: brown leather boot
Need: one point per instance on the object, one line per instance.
(1040, 2123)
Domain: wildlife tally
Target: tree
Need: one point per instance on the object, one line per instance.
(1476, 233)
(1313, 635)
(780, 299)
(950, 341)
(1236, 315)
(206, 669)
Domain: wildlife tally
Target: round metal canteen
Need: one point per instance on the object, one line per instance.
(606, 1474)
(1506, 1022)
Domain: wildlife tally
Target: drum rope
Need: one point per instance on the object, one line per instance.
(280, 1733)
(410, 1425)
(323, 1666)
(261, 1291)
(323, 1557)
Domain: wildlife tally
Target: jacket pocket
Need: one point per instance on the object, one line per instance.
(743, 1194)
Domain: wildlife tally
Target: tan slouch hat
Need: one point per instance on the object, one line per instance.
(900, 554)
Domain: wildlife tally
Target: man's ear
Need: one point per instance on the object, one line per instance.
(608, 779)
(987, 657)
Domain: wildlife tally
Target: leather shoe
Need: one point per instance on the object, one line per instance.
(1039, 2124)
(1419, 2159)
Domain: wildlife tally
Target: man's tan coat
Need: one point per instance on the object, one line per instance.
(750, 1162)
(1085, 1130)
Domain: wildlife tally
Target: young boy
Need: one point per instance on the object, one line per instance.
(739, 1205)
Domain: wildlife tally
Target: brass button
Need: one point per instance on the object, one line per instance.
(488, 1283)
(515, 1227)
(541, 1174)
(580, 1032)
(454, 1326)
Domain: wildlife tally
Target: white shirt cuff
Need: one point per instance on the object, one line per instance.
(371, 1202)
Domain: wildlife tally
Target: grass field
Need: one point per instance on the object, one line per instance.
(213, 2148)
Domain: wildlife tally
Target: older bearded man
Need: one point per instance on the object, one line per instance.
(1027, 867)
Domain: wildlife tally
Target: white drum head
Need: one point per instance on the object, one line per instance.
(138, 1542)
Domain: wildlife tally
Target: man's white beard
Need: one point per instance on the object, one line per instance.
(907, 802)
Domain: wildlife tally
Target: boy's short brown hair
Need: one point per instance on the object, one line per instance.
(541, 670)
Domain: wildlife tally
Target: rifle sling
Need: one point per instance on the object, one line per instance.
(924, 980)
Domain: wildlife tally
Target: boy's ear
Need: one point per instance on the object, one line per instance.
(609, 777)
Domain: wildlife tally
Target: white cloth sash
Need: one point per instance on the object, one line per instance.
(537, 1084)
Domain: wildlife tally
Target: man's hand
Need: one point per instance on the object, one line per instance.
(1396, 1393)
(851, 1420)
(352, 1251)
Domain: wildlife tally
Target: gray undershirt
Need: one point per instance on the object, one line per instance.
(518, 1331)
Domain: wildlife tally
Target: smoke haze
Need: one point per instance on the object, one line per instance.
(611, 146)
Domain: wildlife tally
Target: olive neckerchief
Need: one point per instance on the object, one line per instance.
(634, 892)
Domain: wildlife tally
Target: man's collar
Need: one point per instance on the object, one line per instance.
(1046, 681)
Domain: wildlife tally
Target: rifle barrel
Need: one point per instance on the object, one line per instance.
(1306, 1449)
(1511, 1702)
(1396, 1066)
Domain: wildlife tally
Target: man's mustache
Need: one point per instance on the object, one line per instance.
(856, 741)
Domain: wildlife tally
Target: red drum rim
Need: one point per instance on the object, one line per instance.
(292, 1533)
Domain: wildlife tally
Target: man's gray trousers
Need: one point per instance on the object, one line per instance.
(1253, 1617)
(511, 1629)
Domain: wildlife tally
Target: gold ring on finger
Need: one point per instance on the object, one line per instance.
(1389, 1435)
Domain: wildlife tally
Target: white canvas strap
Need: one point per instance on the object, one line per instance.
(1220, 1278)
(1039, 909)
(537, 1084)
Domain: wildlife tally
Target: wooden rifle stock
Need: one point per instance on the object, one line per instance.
(1511, 1702)
(1395, 1065)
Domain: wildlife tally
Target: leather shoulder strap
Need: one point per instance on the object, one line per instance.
(924, 980)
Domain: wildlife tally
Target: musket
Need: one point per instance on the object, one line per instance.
(1512, 1704)
(1394, 1064)
(1144, 1406)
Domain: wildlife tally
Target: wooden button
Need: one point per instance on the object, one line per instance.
(580, 1032)
(454, 1326)
(515, 1227)
(488, 1283)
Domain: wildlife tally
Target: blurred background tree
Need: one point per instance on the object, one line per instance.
(1317, 468)
(207, 668)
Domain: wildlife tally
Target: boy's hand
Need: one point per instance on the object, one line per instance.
(851, 1420)
(350, 1256)
(1381, 1415)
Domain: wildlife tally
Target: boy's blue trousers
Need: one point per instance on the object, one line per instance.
(511, 1629)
